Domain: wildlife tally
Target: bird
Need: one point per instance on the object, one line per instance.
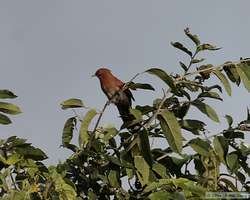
(114, 89)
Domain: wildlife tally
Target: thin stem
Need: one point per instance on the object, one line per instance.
(100, 116)
(190, 63)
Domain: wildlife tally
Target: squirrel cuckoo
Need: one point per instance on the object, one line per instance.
(113, 89)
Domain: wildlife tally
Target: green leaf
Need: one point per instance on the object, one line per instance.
(160, 195)
(194, 126)
(84, 135)
(29, 151)
(144, 86)
(244, 73)
(210, 94)
(145, 109)
(68, 133)
(160, 170)
(220, 147)
(114, 179)
(209, 47)
(230, 134)
(171, 130)
(4, 119)
(9, 108)
(64, 190)
(189, 187)
(232, 162)
(231, 72)
(6, 94)
(145, 147)
(72, 103)
(229, 120)
(183, 66)
(142, 169)
(207, 110)
(194, 38)
(202, 147)
(180, 46)
(109, 133)
(163, 76)
(224, 81)
(194, 61)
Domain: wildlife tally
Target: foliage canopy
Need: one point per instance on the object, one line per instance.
(112, 163)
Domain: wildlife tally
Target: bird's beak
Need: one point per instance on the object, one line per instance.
(93, 75)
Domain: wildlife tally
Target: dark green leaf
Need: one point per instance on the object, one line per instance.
(210, 94)
(72, 103)
(145, 147)
(229, 120)
(9, 108)
(220, 147)
(206, 109)
(194, 38)
(4, 119)
(84, 135)
(182, 110)
(145, 109)
(224, 81)
(244, 73)
(232, 162)
(183, 66)
(232, 73)
(29, 151)
(230, 134)
(194, 126)
(6, 94)
(210, 47)
(163, 76)
(171, 130)
(142, 169)
(241, 177)
(202, 147)
(180, 46)
(68, 133)
(144, 86)
(194, 61)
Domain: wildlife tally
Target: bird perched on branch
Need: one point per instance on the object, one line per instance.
(116, 93)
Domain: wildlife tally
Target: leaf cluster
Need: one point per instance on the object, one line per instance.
(110, 162)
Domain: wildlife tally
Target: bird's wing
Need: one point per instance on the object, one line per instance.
(129, 94)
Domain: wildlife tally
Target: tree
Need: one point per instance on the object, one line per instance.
(111, 163)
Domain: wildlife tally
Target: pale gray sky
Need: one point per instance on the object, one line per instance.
(50, 48)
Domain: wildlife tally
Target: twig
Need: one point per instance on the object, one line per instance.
(190, 63)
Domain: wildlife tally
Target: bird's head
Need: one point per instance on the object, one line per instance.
(102, 72)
